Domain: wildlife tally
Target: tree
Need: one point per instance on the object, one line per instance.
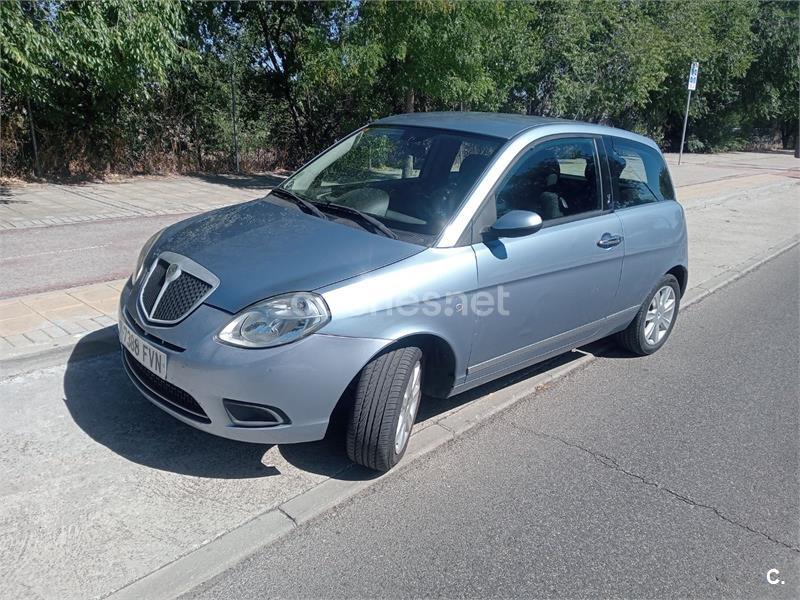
(75, 64)
(770, 87)
(442, 53)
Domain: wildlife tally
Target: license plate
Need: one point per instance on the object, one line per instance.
(148, 355)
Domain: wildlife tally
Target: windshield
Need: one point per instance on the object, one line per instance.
(412, 179)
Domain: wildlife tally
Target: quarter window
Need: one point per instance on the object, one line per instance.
(558, 178)
(638, 174)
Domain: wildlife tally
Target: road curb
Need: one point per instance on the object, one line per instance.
(204, 563)
(90, 345)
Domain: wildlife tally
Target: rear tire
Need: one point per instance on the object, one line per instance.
(655, 320)
(386, 400)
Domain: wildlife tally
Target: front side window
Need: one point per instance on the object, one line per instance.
(638, 174)
(412, 179)
(557, 178)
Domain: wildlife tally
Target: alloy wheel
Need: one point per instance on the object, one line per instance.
(408, 410)
(659, 315)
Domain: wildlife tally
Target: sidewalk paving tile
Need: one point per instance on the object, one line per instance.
(20, 325)
(14, 308)
(50, 301)
(118, 284)
(76, 312)
(55, 332)
(69, 325)
(37, 336)
(105, 321)
(88, 324)
(97, 291)
(18, 341)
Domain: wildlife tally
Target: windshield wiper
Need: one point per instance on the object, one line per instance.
(303, 204)
(364, 218)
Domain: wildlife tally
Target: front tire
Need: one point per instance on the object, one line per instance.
(655, 319)
(387, 398)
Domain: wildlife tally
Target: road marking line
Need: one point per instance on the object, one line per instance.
(6, 258)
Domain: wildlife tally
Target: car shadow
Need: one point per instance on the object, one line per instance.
(106, 406)
(306, 456)
(606, 349)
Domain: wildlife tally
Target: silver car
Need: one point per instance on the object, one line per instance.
(424, 254)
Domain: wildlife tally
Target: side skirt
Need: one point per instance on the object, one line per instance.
(526, 356)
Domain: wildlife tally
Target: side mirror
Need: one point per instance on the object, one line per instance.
(516, 223)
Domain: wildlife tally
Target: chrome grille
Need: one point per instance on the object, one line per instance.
(173, 287)
(154, 284)
(180, 296)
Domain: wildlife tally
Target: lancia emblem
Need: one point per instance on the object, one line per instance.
(173, 271)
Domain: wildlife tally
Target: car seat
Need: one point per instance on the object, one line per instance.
(546, 174)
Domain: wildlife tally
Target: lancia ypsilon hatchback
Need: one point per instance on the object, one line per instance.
(424, 254)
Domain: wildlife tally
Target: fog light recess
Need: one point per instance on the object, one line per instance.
(245, 414)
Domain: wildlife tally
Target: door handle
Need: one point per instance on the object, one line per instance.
(609, 241)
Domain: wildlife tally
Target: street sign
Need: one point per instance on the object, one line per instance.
(692, 86)
(693, 76)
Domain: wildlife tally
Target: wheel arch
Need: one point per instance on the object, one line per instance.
(680, 273)
(439, 366)
(439, 361)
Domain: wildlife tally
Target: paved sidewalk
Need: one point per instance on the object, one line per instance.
(30, 324)
(738, 205)
(44, 204)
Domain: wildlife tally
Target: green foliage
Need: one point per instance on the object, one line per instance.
(445, 53)
(147, 85)
(78, 66)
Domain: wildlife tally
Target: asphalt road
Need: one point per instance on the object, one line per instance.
(44, 258)
(669, 476)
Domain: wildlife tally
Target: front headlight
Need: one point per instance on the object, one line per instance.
(277, 321)
(148, 245)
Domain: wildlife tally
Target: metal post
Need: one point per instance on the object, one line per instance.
(797, 135)
(233, 119)
(685, 120)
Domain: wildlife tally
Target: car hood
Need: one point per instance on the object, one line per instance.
(262, 248)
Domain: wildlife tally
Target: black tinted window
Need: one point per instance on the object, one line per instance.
(638, 174)
(558, 178)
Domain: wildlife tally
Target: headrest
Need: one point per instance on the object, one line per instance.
(547, 168)
(616, 164)
(589, 172)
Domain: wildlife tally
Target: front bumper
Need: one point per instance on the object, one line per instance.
(303, 380)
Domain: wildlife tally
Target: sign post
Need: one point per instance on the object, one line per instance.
(692, 86)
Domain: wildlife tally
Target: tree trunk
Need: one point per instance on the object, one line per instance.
(36, 168)
(409, 101)
(408, 166)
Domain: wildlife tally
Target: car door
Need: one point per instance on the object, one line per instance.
(652, 221)
(552, 288)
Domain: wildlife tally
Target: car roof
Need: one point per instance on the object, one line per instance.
(501, 125)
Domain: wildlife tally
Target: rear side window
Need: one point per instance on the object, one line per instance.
(638, 174)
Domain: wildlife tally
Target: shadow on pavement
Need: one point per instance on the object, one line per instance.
(106, 405)
(307, 456)
(6, 197)
(604, 349)
(265, 181)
